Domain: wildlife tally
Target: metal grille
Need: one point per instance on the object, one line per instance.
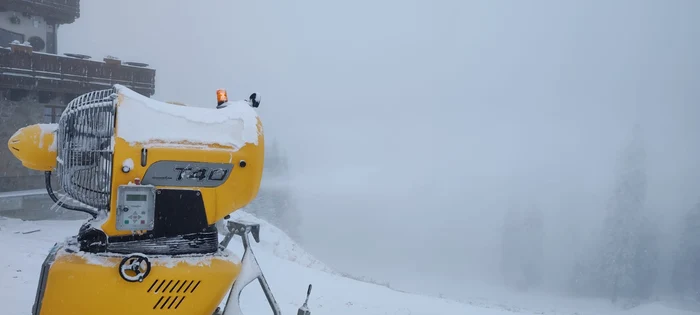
(84, 148)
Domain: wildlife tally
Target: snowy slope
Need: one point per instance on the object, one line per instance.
(278, 243)
(288, 268)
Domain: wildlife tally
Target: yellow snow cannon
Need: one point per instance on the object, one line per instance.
(155, 179)
(34, 146)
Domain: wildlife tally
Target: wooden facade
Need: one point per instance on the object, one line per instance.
(36, 84)
(34, 71)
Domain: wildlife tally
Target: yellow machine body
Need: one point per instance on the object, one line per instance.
(84, 285)
(34, 146)
(74, 281)
(239, 190)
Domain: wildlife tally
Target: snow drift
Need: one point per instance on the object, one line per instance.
(288, 268)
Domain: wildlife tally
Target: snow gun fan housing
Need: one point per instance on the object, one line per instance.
(156, 178)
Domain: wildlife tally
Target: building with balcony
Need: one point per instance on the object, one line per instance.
(36, 83)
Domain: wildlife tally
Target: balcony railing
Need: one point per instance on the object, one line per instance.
(62, 74)
(54, 11)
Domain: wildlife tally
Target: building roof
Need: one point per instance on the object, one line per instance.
(53, 11)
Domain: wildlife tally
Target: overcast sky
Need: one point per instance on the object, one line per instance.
(411, 125)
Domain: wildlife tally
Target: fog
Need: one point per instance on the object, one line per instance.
(412, 127)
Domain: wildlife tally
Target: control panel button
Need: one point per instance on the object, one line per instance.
(137, 204)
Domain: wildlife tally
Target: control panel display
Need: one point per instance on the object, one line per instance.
(139, 197)
(136, 207)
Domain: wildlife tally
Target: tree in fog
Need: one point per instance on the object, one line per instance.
(276, 205)
(686, 271)
(627, 263)
(522, 247)
(276, 165)
(274, 202)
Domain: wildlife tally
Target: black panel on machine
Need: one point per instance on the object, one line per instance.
(195, 243)
(179, 212)
(180, 227)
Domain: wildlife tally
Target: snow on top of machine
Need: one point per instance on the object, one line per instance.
(142, 120)
(48, 128)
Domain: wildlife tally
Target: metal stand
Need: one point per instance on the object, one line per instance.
(250, 269)
(304, 309)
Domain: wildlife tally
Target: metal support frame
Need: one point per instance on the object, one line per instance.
(250, 269)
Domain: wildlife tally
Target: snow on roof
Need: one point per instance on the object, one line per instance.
(25, 43)
(142, 120)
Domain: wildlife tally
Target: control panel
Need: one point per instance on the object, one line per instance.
(136, 207)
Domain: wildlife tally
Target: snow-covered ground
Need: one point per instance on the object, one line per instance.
(288, 268)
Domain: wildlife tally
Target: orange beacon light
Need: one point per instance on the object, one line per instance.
(221, 97)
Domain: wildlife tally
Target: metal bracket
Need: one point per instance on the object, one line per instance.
(304, 309)
(250, 269)
(241, 229)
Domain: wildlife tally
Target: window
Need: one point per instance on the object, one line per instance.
(52, 114)
(6, 37)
